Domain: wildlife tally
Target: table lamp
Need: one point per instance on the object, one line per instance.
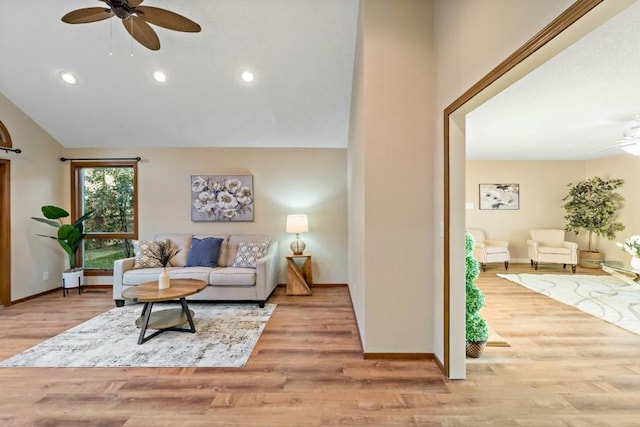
(297, 224)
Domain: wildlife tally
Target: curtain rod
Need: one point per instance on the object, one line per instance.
(137, 159)
(15, 150)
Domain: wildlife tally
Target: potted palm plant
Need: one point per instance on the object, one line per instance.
(69, 236)
(592, 205)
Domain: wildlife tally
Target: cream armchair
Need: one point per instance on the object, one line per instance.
(548, 245)
(487, 250)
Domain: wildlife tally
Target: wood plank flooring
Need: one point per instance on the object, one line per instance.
(564, 368)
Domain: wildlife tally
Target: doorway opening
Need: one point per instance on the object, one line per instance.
(578, 20)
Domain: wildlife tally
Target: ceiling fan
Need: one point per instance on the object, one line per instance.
(136, 19)
(630, 141)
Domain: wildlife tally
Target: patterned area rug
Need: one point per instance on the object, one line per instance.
(225, 337)
(605, 297)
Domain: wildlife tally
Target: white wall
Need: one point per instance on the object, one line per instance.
(36, 180)
(285, 181)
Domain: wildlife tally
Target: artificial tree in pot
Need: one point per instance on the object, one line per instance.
(69, 236)
(476, 330)
(592, 205)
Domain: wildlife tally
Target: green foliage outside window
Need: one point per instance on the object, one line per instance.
(109, 191)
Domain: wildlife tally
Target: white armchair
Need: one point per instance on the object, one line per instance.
(487, 250)
(548, 245)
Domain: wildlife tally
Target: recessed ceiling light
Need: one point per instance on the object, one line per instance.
(160, 76)
(68, 78)
(247, 76)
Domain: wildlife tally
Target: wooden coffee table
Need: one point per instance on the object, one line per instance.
(164, 320)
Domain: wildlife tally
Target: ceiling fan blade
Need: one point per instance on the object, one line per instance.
(167, 19)
(618, 144)
(134, 3)
(86, 15)
(142, 32)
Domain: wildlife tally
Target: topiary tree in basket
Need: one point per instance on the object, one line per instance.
(477, 332)
(592, 205)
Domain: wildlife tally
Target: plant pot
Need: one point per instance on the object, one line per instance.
(73, 278)
(635, 263)
(591, 259)
(475, 348)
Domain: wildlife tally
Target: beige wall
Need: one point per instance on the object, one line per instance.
(393, 83)
(543, 184)
(356, 183)
(36, 180)
(286, 181)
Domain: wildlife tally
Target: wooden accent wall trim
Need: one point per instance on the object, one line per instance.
(576, 11)
(400, 356)
(5, 232)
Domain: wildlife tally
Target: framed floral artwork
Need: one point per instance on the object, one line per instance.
(222, 198)
(500, 196)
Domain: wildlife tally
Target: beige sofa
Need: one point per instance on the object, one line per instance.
(225, 282)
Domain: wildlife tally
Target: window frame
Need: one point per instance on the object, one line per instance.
(77, 202)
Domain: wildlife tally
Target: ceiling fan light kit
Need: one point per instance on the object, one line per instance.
(136, 19)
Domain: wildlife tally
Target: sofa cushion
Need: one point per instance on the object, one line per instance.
(136, 277)
(222, 259)
(233, 276)
(178, 241)
(248, 253)
(235, 239)
(554, 250)
(145, 252)
(204, 252)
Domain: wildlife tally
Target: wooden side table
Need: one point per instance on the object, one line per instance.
(299, 278)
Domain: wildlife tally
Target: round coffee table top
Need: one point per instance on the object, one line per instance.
(149, 291)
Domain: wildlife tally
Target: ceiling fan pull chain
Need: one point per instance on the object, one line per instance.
(111, 37)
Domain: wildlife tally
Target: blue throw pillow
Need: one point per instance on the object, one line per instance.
(204, 252)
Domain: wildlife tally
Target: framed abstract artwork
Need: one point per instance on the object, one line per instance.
(500, 196)
(222, 198)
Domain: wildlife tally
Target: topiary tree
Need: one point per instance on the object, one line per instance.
(592, 205)
(477, 331)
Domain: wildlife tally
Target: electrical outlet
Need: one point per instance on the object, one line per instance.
(45, 275)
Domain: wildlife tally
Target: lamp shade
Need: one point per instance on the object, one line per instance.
(297, 224)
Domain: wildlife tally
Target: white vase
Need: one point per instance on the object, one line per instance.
(635, 263)
(163, 280)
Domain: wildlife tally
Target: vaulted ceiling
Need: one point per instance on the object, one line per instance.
(301, 53)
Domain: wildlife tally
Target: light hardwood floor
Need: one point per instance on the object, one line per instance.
(564, 368)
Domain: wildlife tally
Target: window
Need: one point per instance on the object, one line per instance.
(109, 188)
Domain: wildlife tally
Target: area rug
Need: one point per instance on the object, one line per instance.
(225, 337)
(605, 297)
